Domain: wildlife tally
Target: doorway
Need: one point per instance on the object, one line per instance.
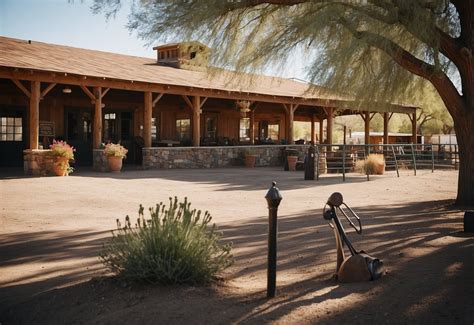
(78, 126)
(118, 128)
(12, 136)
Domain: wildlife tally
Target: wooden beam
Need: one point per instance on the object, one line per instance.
(47, 90)
(157, 99)
(330, 126)
(34, 114)
(104, 93)
(367, 128)
(285, 107)
(147, 116)
(290, 116)
(203, 101)
(21, 87)
(385, 128)
(390, 116)
(89, 93)
(321, 130)
(313, 135)
(187, 101)
(97, 129)
(413, 128)
(196, 105)
(252, 127)
(372, 116)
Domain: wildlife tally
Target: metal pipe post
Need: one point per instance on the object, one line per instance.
(273, 199)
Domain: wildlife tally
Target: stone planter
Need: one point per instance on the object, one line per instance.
(114, 163)
(292, 163)
(250, 161)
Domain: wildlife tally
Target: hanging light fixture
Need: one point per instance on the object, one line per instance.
(67, 90)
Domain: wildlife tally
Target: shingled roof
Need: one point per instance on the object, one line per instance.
(38, 56)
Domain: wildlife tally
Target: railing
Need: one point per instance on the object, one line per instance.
(342, 159)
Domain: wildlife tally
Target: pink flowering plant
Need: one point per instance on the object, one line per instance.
(115, 150)
(62, 149)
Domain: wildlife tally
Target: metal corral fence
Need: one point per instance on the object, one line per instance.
(342, 159)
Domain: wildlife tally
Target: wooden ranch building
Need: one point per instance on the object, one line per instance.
(169, 112)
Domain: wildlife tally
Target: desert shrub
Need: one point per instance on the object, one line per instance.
(175, 245)
(374, 164)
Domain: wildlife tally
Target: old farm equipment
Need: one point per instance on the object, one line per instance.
(359, 266)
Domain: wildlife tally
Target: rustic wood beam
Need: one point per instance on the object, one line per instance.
(252, 126)
(367, 127)
(157, 99)
(203, 101)
(88, 93)
(105, 93)
(413, 129)
(390, 116)
(187, 101)
(285, 107)
(34, 114)
(330, 126)
(196, 105)
(313, 134)
(321, 130)
(21, 87)
(147, 116)
(372, 116)
(47, 90)
(385, 128)
(97, 126)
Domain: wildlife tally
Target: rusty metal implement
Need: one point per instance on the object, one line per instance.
(359, 266)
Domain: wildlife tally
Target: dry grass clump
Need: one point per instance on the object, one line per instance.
(374, 164)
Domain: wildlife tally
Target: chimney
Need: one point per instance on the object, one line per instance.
(184, 55)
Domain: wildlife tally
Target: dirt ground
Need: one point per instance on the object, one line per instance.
(52, 229)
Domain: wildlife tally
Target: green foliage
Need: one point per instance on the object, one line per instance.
(175, 245)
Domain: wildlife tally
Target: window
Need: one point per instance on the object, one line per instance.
(211, 128)
(183, 129)
(244, 129)
(110, 129)
(11, 129)
(154, 131)
(273, 132)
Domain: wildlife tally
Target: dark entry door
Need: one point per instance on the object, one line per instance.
(78, 124)
(118, 128)
(12, 136)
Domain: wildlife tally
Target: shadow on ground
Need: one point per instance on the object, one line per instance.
(429, 266)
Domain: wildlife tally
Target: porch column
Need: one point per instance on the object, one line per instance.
(196, 120)
(321, 130)
(97, 130)
(147, 116)
(367, 127)
(34, 114)
(330, 125)
(413, 128)
(290, 116)
(385, 128)
(313, 135)
(252, 127)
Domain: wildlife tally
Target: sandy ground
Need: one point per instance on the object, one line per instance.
(52, 229)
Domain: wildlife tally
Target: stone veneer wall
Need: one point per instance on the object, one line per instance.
(212, 157)
(38, 162)
(99, 161)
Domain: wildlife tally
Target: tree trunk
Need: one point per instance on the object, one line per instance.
(465, 136)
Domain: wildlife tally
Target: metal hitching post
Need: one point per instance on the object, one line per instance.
(273, 199)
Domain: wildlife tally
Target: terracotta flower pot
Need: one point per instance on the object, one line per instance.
(115, 164)
(60, 166)
(292, 163)
(250, 161)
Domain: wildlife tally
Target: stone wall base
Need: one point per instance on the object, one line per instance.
(38, 162)
(99, 161)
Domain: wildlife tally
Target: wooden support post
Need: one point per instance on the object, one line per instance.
(321, 130)
(413, 128)
(34, 114)
(290, 116)
(252, 126)
(313, 134)
(385, 128)
(196, 120)
(147, 116)
(330, 126)
(367, 127)
(97, 130)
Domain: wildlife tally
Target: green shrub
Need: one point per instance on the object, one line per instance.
(176, 245)
(374, 164)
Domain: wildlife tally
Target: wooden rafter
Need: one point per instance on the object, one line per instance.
(47, 90)
(88, 93)
(390, 116)
(21, 87)
(188, 101)
(372, 116)
(285, 107)
(203, 101)
(156, 100)
(104, 92)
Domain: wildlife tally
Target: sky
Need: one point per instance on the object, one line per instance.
(72, 23)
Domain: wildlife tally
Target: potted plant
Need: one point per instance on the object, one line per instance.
(292, 158)
(62, 153)
(250, 158)
(115, 154)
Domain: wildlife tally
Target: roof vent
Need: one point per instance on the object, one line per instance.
(185, 55)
